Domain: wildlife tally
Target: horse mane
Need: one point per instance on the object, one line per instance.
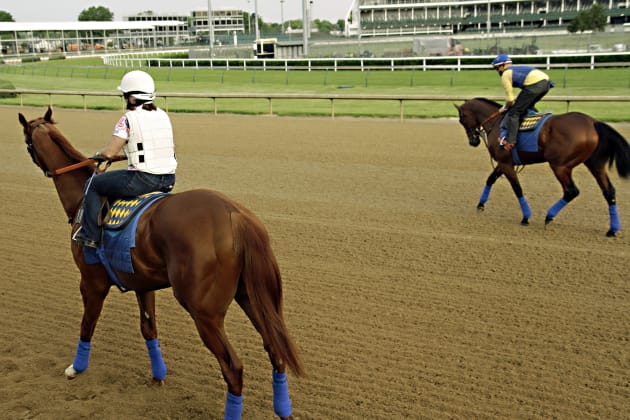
(489, 102)
(63, 143)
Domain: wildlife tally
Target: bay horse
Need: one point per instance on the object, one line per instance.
(209, 249)
(564, 141)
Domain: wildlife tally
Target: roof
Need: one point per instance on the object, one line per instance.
(84, 25)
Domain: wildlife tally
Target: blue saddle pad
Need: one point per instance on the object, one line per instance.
(119, 235)
(527, 138)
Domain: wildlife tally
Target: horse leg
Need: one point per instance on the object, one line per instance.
(212, 333)
(610, 195)
(510, 174)
(93, 294)
(496, 173)
(206, 289)
(281, 401)
(148, 327)
(563, 174)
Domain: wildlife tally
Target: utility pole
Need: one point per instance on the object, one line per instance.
(282, 16)
(210, 29)
(256, 22)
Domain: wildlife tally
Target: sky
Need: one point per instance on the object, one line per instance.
(269, 10)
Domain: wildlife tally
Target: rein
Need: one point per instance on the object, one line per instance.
(50, 174)
(490, 118)
(79, 165)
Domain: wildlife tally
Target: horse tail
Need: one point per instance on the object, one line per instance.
(617, 149)
(263, 284)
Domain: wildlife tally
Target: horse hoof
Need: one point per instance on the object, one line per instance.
(480, 207)
(611, 234)
(548, 220)
(70, 372)
(157, 382)
(525, 221)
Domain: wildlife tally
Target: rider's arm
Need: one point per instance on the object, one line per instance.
(506, 81)
(113, 148)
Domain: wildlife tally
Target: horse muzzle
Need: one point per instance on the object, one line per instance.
(474, 137)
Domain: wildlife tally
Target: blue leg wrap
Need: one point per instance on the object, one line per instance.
(485, 194)
(555, 209)
(82, 357)
(158, 368)
(527, 212)
(233, 407)
(615, 223)
(281, 400)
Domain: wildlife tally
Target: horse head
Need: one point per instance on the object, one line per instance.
(29, 128)
(469, 121)
(48, 148)
(473, 114)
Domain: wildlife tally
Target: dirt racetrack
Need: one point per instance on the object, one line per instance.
(404, 301)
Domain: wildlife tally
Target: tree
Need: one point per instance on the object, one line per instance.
(591, 19)
(96, 13)
(598, 17)
(6, 17)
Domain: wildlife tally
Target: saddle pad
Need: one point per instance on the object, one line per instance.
(527, 141)
(531, 121)
(123, 210)
(115, 250)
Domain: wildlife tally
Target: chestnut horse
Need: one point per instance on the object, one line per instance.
(564, 141)
(208, 248)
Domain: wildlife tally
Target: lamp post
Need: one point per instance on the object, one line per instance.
(282, 16)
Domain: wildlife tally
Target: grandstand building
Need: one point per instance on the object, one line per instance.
(413, 17)
(223, 21)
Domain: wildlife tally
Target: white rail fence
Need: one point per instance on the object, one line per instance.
(548, 61)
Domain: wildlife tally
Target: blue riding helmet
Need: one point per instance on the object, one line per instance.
(500, 60)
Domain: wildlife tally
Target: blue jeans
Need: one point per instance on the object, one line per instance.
(118, 184)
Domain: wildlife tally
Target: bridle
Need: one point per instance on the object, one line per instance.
(30, 147)
(56, 172)
(480, 131)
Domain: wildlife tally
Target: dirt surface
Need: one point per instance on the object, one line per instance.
(404, 301)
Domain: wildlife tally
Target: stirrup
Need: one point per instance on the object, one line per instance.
(77, 237)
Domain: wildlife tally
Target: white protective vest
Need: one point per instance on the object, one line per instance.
(150, 147)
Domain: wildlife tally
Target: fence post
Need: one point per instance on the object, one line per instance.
(564, 76)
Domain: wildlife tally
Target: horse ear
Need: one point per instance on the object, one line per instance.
(48, 115)
(456, 107)
(22, 120)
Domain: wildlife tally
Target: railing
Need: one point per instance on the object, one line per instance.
(270, 97)
(548, 61)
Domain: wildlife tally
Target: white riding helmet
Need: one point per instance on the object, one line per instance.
(140, 84)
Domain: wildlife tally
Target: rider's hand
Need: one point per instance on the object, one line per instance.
(98, 157)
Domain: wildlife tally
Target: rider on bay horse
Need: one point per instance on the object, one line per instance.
(534, 84)
(145, 135)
